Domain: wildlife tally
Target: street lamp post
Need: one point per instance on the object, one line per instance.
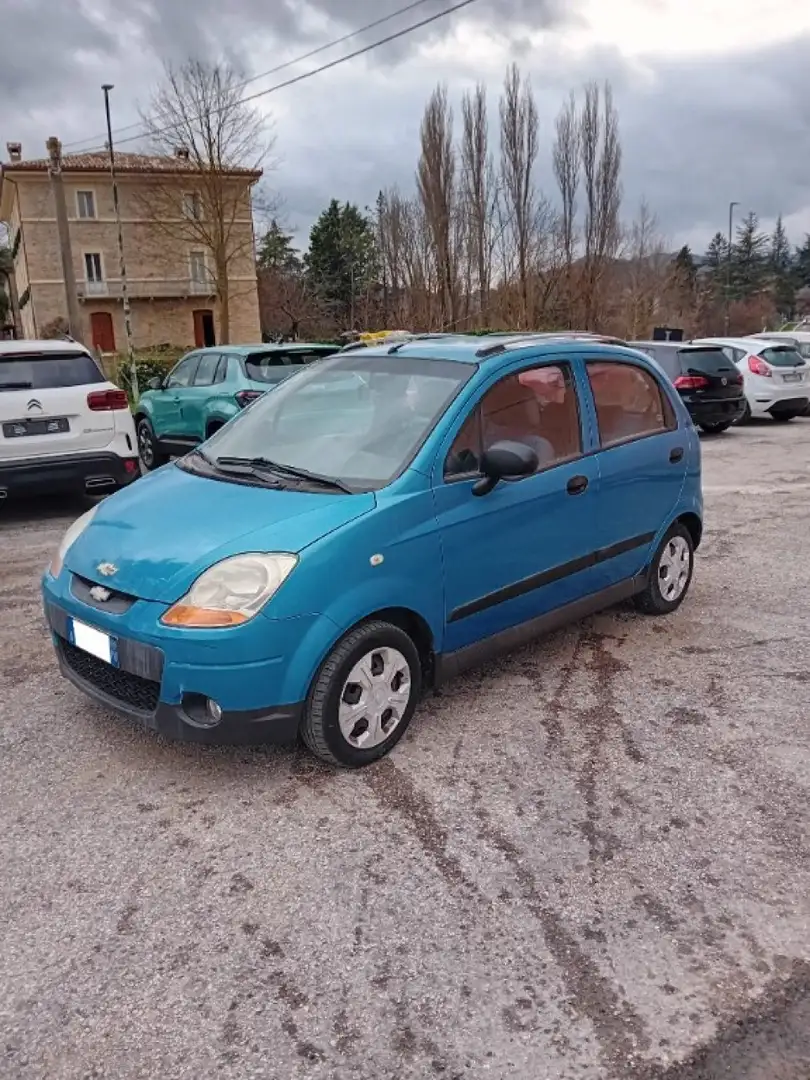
(731, 206)
(133, 373)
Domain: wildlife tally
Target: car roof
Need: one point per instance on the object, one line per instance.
(44, 346)
(670, 344)
(742, 341)
(476, 349)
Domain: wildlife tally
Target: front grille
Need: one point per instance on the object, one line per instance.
(131, 690)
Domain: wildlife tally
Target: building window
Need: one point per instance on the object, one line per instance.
(200, 278)
(86, 204)
(94, 274)
(192, 205)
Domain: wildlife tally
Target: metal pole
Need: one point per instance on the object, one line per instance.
(74, 317)
(731, 206)
(133, 371)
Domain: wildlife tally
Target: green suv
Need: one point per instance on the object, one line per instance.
(206, 388)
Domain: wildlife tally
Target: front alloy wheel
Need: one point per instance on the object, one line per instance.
(147, 447)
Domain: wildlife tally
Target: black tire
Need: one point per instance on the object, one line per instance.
(783, 418)
(320, 727)
(148, 450)
(715, 429)
(213, 428)
(653, 600)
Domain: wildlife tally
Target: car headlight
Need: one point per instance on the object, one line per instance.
(232, 591)
(70, 538)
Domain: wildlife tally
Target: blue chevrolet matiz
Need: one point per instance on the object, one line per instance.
(381, 521)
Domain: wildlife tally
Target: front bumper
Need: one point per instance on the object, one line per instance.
(94, 474)
(258, 675)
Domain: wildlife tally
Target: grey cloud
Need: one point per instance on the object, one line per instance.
(695, 134)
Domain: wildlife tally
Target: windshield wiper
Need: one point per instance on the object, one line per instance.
(16, 386)
(265, 464)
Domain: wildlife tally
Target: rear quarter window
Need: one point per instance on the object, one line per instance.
(48, 371)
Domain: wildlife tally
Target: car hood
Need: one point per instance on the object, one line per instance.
(164, 530)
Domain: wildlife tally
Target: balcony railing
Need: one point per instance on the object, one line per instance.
(154, 289)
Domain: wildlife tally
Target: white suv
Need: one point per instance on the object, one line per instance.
(63, 426)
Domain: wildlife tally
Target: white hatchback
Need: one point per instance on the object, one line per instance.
(776, 378)
(63, 425)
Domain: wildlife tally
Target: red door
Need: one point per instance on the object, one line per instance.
(204, 333)
(101, 329)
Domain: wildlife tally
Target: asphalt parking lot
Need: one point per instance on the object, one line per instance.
(591, 860)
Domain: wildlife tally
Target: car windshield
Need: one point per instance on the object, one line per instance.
(710, 359)
(356, 418)
(46, 371)
(782, 356)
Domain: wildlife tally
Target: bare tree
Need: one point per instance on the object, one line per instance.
(479, 193)
(601, 165)
(519, 130)
(566, 162)
(647, 275)
(197, 115)
(436, 182)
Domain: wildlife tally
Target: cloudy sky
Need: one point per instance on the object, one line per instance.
(713, 95)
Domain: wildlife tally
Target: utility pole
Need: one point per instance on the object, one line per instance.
(54, 148)
(122, 266)
(731, 206)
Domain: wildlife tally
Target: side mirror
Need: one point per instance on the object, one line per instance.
(504, 461)
(155, 384)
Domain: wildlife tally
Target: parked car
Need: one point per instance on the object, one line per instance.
(298, 574)
(207, 388)
(63, 425)
(799, 338)
(775, 377)
(708, 382)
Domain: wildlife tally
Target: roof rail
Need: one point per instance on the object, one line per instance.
(547, 336)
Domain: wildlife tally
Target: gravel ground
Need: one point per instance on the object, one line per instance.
(589, 860)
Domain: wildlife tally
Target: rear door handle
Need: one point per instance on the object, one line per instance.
(676, 454)
(576, 485)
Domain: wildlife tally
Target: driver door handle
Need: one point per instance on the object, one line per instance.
(576, 485)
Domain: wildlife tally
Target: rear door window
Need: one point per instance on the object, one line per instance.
(48, 371)
(630, 403)
(207, 369)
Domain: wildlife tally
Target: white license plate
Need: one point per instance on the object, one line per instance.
(793, 377)
(92, 641)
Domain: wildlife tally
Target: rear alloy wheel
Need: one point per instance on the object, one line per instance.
(364, 696)
(150, 455)
(670, 573)
(715, 429)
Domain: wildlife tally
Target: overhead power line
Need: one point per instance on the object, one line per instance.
(275, 70)
(300, 78)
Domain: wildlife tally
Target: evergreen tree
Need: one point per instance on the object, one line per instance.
(801, 267)
(749, 258)
(342, 258)
(716, 264)
(781, 270)
(685, 269)
(276, 251)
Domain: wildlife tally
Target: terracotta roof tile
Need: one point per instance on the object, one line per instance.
(124, 163)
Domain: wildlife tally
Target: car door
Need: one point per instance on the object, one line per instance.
(642, 458)
(166, 405)
(524, 548)
(195, 398)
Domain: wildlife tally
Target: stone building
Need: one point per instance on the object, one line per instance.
(170, 265)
